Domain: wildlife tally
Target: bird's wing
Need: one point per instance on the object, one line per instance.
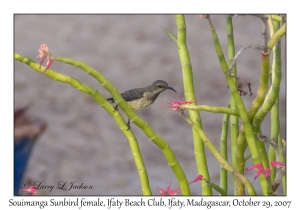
(133, 94)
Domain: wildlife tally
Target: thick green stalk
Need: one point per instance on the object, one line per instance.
(188, 85)
(275, 17)
(223, 149)
(219, 156)
(275, 123)
(272, 94)
(107, 106)
(234, 120)
(274, 26)
(214, 109)
(154, 137)
(263, 85)
(276, 36)
(240, 159)
(251, 141)
(274, 135)
(270, 99)
(256, 103)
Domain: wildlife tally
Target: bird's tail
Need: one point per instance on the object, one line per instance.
(111, 100)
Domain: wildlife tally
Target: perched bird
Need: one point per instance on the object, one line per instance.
(139, 98)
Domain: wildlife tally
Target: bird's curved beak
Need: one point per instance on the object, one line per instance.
(171, 89)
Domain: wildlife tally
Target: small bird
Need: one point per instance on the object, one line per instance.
(139, 98)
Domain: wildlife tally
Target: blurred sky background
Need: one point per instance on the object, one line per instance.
(82, 142)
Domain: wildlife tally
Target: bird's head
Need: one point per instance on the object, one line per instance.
(159, 86)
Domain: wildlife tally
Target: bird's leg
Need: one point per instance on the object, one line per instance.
(128, 124)
(116, 108)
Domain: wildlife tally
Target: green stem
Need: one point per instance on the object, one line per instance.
(274, 26)
(107, 106)
(263, 85)
(247, 157)
(223, 149)
(276, 36)
(214, 109)
(234, 120)
(219, 156)
(269, 101)
(275, 17)
(171, 35)
(256, 103)
(273, 93)
(251, 141)
(275, 123)
(218, 189)
(188, 84)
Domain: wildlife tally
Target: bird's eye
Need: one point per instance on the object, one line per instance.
(160, 86)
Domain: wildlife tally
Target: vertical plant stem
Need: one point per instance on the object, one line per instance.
(234, 120)
(273, 93)
(188, 84)
(219, 156)
(251, 141)
(274, 136)
(259, 99)
(269, 101)
(256, 103)
(274, 26)
(275, 123)
(276, 36)
(223, 149)
(263, 87)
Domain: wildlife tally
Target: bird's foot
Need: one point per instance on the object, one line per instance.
(128, 125)
(116, 108)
